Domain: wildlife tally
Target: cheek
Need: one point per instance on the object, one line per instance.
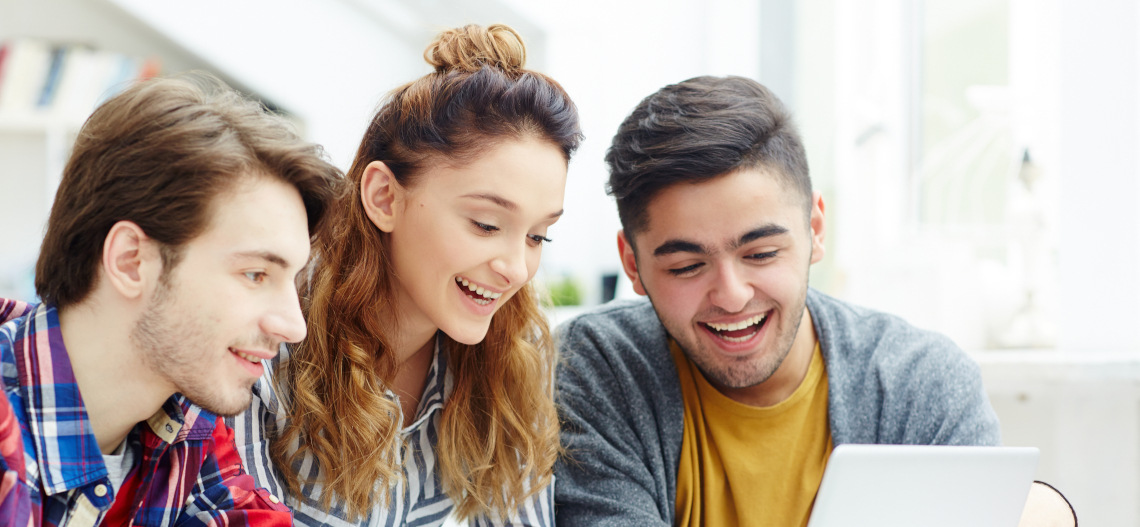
(533, 257)
(781, 283)
(677, 299)
(422, 246)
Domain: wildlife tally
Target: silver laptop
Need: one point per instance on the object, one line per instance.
(927, 486)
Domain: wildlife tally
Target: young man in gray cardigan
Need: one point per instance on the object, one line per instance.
(719, 400)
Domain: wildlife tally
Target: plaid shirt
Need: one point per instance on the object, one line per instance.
(51, 468)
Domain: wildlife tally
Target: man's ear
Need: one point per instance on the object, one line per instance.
(380, 192)
(629, 262)
(131, 260)
(818, 227)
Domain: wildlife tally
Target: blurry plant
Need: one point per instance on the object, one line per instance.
(565, 292)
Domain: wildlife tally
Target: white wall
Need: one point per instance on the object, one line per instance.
(1099, 216)
(327, 62)
(610, 55)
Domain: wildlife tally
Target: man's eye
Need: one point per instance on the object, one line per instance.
(762, 256)
(255, 276)
(487, 229)
(685, 270)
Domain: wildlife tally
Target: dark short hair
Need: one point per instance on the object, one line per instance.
(157, 155)
(698, 130)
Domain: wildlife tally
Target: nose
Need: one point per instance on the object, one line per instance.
(286, 322)
(730, 291)
(511, 265)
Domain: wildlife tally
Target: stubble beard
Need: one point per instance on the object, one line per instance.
(169, 340)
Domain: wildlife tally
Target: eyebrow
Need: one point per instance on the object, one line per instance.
(504, 203)
(680, 246)
(677, 245)
(268, 256)
(766, 231)
(497, 200)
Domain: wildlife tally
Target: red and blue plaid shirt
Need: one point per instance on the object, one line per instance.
(51, 468)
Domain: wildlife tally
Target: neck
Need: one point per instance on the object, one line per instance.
(787, 377)
(414, 331)
(413, 349)
(414, 337)
(118, 389)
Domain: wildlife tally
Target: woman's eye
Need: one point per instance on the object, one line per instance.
(255, 276)
(537, 239)
(688, 269)
(487, 229)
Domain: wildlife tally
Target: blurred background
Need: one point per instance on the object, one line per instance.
(978, 158)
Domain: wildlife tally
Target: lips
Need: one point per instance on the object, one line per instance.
(738, 331)
(250, 360)
(481, 295)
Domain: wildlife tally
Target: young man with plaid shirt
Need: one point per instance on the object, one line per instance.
(167, 276)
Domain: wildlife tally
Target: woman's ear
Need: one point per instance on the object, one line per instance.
(379, 193)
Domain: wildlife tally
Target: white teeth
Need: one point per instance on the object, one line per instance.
(485, 293)
(736, 325)
(249, 358)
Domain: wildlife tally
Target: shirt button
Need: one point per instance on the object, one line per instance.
(274, 499)
(169, 428)
(100, 490)
(189, 500)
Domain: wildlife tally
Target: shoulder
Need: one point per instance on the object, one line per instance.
(622, 340)
(856, 336)
(616, 366)
(627, 326)
(13, 309)
(13, 316)
(892, 382)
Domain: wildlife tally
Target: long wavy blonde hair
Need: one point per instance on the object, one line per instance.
(499, 430)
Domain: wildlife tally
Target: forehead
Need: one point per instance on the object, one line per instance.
(527, 172)
(722, 208)
(258, 214)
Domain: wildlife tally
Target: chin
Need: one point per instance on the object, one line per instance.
(468, 336)
(225, 404)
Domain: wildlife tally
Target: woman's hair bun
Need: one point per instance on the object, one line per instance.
(471, 47)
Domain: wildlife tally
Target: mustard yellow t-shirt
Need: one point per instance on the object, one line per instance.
(749, 466)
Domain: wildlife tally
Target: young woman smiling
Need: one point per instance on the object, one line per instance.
(424, 385)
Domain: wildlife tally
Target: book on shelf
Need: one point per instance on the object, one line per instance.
(65, 81)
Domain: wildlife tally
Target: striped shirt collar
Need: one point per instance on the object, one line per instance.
(67, 453)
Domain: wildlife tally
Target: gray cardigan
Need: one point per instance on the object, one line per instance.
(620, 401)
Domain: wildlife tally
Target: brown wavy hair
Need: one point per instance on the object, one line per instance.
(499, 430)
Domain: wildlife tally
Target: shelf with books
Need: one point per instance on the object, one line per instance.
(49, 84)
(48, 88)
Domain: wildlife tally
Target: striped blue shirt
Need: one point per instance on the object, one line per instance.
(419, 500)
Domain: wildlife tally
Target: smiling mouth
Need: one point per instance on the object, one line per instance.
(246, 356)
(738, 331)
(478, 294)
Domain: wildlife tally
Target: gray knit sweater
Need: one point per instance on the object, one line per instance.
(620, 400)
